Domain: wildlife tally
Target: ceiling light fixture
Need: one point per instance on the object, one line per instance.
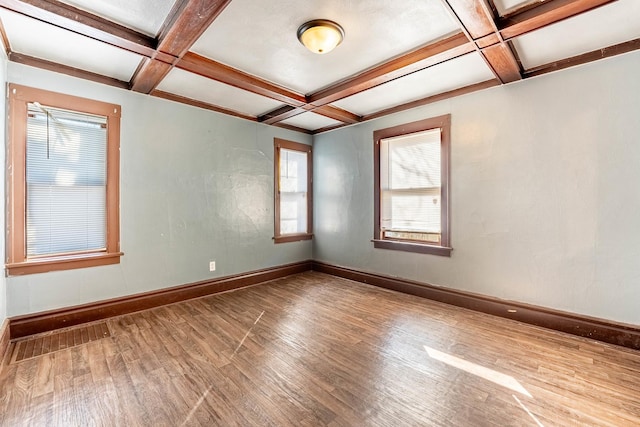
(320, 35)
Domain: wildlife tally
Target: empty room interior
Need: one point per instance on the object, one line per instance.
(320, 213)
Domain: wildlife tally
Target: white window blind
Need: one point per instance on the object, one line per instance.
(293, 191)
(65, 181)
(410, 181)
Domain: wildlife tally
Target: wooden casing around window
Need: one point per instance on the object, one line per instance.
(290, 145)
(16, 258)
(444, 123)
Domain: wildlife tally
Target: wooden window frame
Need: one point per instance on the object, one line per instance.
(296, 146)
(444, 248)
(17, 262)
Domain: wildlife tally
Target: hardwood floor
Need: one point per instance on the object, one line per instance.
(313, 350)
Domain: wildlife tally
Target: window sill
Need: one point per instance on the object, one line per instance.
(292, 238)
(420, 248)
(69, 262)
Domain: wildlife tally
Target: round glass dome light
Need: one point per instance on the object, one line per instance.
(320, 35)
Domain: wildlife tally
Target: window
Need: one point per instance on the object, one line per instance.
(63, 184)
(411, 205)
(292, 171)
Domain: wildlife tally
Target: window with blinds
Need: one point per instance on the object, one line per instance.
(66, 181)
(411, 187)
(293, 191)
(63, 184)
(410, 177)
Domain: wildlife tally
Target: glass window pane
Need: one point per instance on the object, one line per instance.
(292, 195)
(66, 181)
(410, 180)
(293, 213)
(293, 170)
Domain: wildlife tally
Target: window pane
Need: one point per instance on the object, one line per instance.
(66, 181)
(410, 172)
(411, 211)
(293, 171)
(411, 161)
(293, 191)
(65, 219)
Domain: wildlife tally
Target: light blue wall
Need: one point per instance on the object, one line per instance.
(545, 193)
(3, 93)
(195, 186)
(545, 196)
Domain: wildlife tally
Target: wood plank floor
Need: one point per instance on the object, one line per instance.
(314, 350)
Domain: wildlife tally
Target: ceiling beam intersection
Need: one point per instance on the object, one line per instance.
(280, 114)
(478, 23)
(186, 22)
(482, 32)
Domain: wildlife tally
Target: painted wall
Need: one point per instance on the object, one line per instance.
(545, 193)
(3, 93)
(195, 186)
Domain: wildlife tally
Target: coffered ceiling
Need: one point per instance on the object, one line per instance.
(242, 57)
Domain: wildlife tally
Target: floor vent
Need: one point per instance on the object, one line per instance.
(44, 344)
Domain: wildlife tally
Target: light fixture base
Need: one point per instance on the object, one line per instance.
(320, 35)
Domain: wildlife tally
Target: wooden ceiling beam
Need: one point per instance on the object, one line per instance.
(148, 75)
(418, 103)
(595, 55)
(503, 62)
(5, 39)
(488, 40)
(186, 22)
(435, 98)
(337, 114)
(223, 73)
(478, 23)
(200, 104)
(81, 22)
(416, 60)
(65, 69)
(190, 18)
(287, 111)
(546, 13)
(293, 128)
(473, 16)
(280, 114)
(328, 128)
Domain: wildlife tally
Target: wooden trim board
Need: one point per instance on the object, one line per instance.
(46, 321)
(598, 329)
(4, 340)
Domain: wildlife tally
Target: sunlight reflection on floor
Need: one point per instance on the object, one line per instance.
(527, 410)
(488, 374)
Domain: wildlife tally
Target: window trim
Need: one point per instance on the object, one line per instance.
(444, 249)
(17, 262)
(290, 145)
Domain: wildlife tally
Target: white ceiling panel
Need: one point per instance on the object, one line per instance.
(310, 121)
(505, 6)
(145, 16)
(606, 26)
(454, 74)
(44, 41)
(193, 86)
(259, 37)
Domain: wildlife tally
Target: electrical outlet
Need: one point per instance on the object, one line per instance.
(212, 266)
